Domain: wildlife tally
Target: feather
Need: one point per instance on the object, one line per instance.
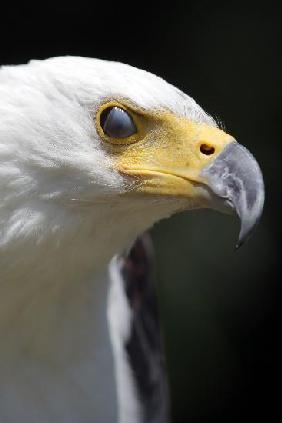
(139, 354)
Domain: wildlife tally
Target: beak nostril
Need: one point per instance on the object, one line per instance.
(207, 149)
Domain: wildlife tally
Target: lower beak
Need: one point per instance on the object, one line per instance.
(235, 177)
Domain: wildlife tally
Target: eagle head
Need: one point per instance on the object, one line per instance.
(84, 138)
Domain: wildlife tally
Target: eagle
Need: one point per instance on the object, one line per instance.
(92, 154)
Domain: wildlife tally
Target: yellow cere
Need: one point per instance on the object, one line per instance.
(167, 153)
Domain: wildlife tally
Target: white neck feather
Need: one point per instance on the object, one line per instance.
(53, 307)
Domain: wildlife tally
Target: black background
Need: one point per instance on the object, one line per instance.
(221, 310)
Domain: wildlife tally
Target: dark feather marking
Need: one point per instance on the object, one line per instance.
(144, 346)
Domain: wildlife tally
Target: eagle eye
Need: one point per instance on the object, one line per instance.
(117, 123)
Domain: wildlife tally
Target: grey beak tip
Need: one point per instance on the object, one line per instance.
(238, 245)
(241, 241)
(243, 237)
(247, 229)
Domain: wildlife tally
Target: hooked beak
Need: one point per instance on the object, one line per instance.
(235, 177)
(198, 162)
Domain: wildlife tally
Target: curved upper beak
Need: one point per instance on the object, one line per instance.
(235, 177)
(200, 163)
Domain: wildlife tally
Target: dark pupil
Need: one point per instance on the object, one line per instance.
(117, 123)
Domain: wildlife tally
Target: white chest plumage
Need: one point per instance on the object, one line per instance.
(55, 356)
(56, 359)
